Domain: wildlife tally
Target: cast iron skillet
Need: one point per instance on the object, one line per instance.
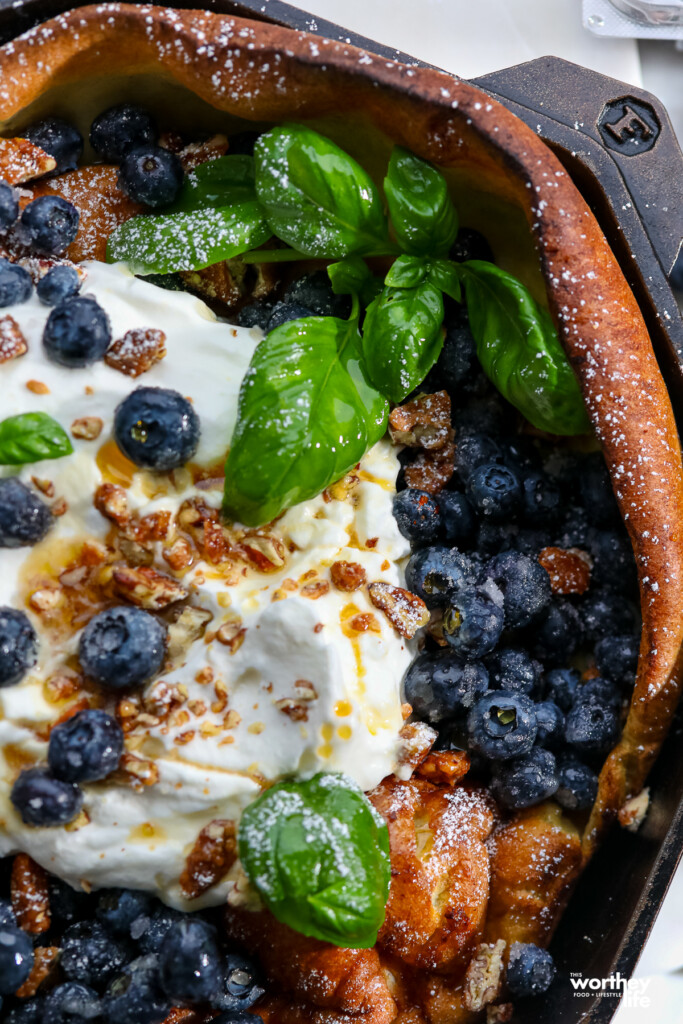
(618, 144)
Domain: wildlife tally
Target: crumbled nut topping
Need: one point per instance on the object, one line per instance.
(12, 341)
(405, 611)
(188, 627)
(294, 709)
(444, 767)
(431, 470)
(416, 740)
(112, 501)
(37, 387)
(347, 576)
(179, 555)
(501, 1013)
(138, 771)
(264, 553)
(315, 590)
(147, 588)
(569, 569)
(137, 351)
(30, 896)
(632, 814)
(196, 153)
(87, 428)
(423, 423)
(211, 857)
(484, 976)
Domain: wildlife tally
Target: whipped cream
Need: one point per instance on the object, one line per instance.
(300, 689)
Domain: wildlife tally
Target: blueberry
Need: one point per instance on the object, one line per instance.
(558, 633)
(457, 517)
(541, 499)
(512, 669)
(24, 517)
(241, 985)
(256, 314)
(136, 996)
(48, 225)
(149, 931)
(574, 530)
(242, 143)
(470, 245)
(595, 490)
(77, 332)
(526, 780)
(458, 359)
(71, 1003)
(67, 904)
(43, 801)
(16, 958)
(59, 139)
(122, 647)
(9, 206)
(314, 293)
(532, 541)
(550, 724)
(15, 284)
(7, 918)
(190, 962)
(602, 691)
(151, 175)
(614, 566)
(502, 725)
(283, 312)
(525, 585)
(18, 646)
(474, 450)
(591, 727)
(561, 687)
(494, 491)
(417, 515)
(119, 129)
(578, 786)
(493, 538)
(617, 659)
(530, 969)
(473, 620)
(485, 415)
(118, 908)
(521, 455)
(432, 572)
(605, 613)
(28, 1011)
(440, 686)
(156, 428)
(86, 747)
(234, 1017)
(60, 283)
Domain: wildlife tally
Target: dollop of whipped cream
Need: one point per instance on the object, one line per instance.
(270, 673)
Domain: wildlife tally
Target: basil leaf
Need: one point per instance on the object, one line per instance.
(519, 349)
(353, 277)
(306, 415)
(444, 274)
(30, 437)
(187, 240)
(316, 197)
(402, 338)
(424, 218)
(318, 854)
(225, 181)
(407, 272)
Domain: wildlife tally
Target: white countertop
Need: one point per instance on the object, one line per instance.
(471, 38)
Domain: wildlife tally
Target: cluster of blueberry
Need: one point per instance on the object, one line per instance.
(125, 958)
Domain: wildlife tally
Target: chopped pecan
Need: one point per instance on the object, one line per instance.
(87, 428)
(423, 423)
(60, 507)
(444, 767)
(484, 975)
(21, 160)
(343, 488)
(134, 552)
(405, 611)
(30, 896)
(44, 486)
(314, 590)
(44, 963)
(137, 351)
(38, 266)
(211, 857)
(632, 814)
(147, 588)
(347, 576)
(37, 387)
(501, 1013)
(304, 690)
(154, 526)
(231, 632)
(569, 569)
(188, 627)
(202, 523)
(12, 341)
(431, 470)
(416, 740)
(263, 552)
(62, 686)
(111, 500)
(179, 555)
(294, 709)
(46, 600)
(139, 770)
(196, 153)
(365, 622)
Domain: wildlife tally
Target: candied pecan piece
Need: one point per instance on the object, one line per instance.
(444, 767)
(423, 423)
(38, 266)
(154, 526)
(87, 428)
(314, 590)
(406, 612)
(138, 771)
(294, 709)
(137, 351)
(431, 470)
(211, 857)
(263, 552)
(44, 963)
(179, 555)
(231, 632)
(147, 588)
(188, 627)
(569, 569)
(111, 500)
(21, 160)
(12, 341)
(416, 740)
(196, 153)
(30, 896)
(632, 814)
(484, 975)
(347, 576)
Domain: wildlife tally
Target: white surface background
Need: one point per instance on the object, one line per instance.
(473, 37)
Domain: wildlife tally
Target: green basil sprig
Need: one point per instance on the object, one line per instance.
(402, 337)
(30, 437)
(422, 213)
(352, 276)
(519, 349)
(318, 854)
(316, 197)
(306, 415)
